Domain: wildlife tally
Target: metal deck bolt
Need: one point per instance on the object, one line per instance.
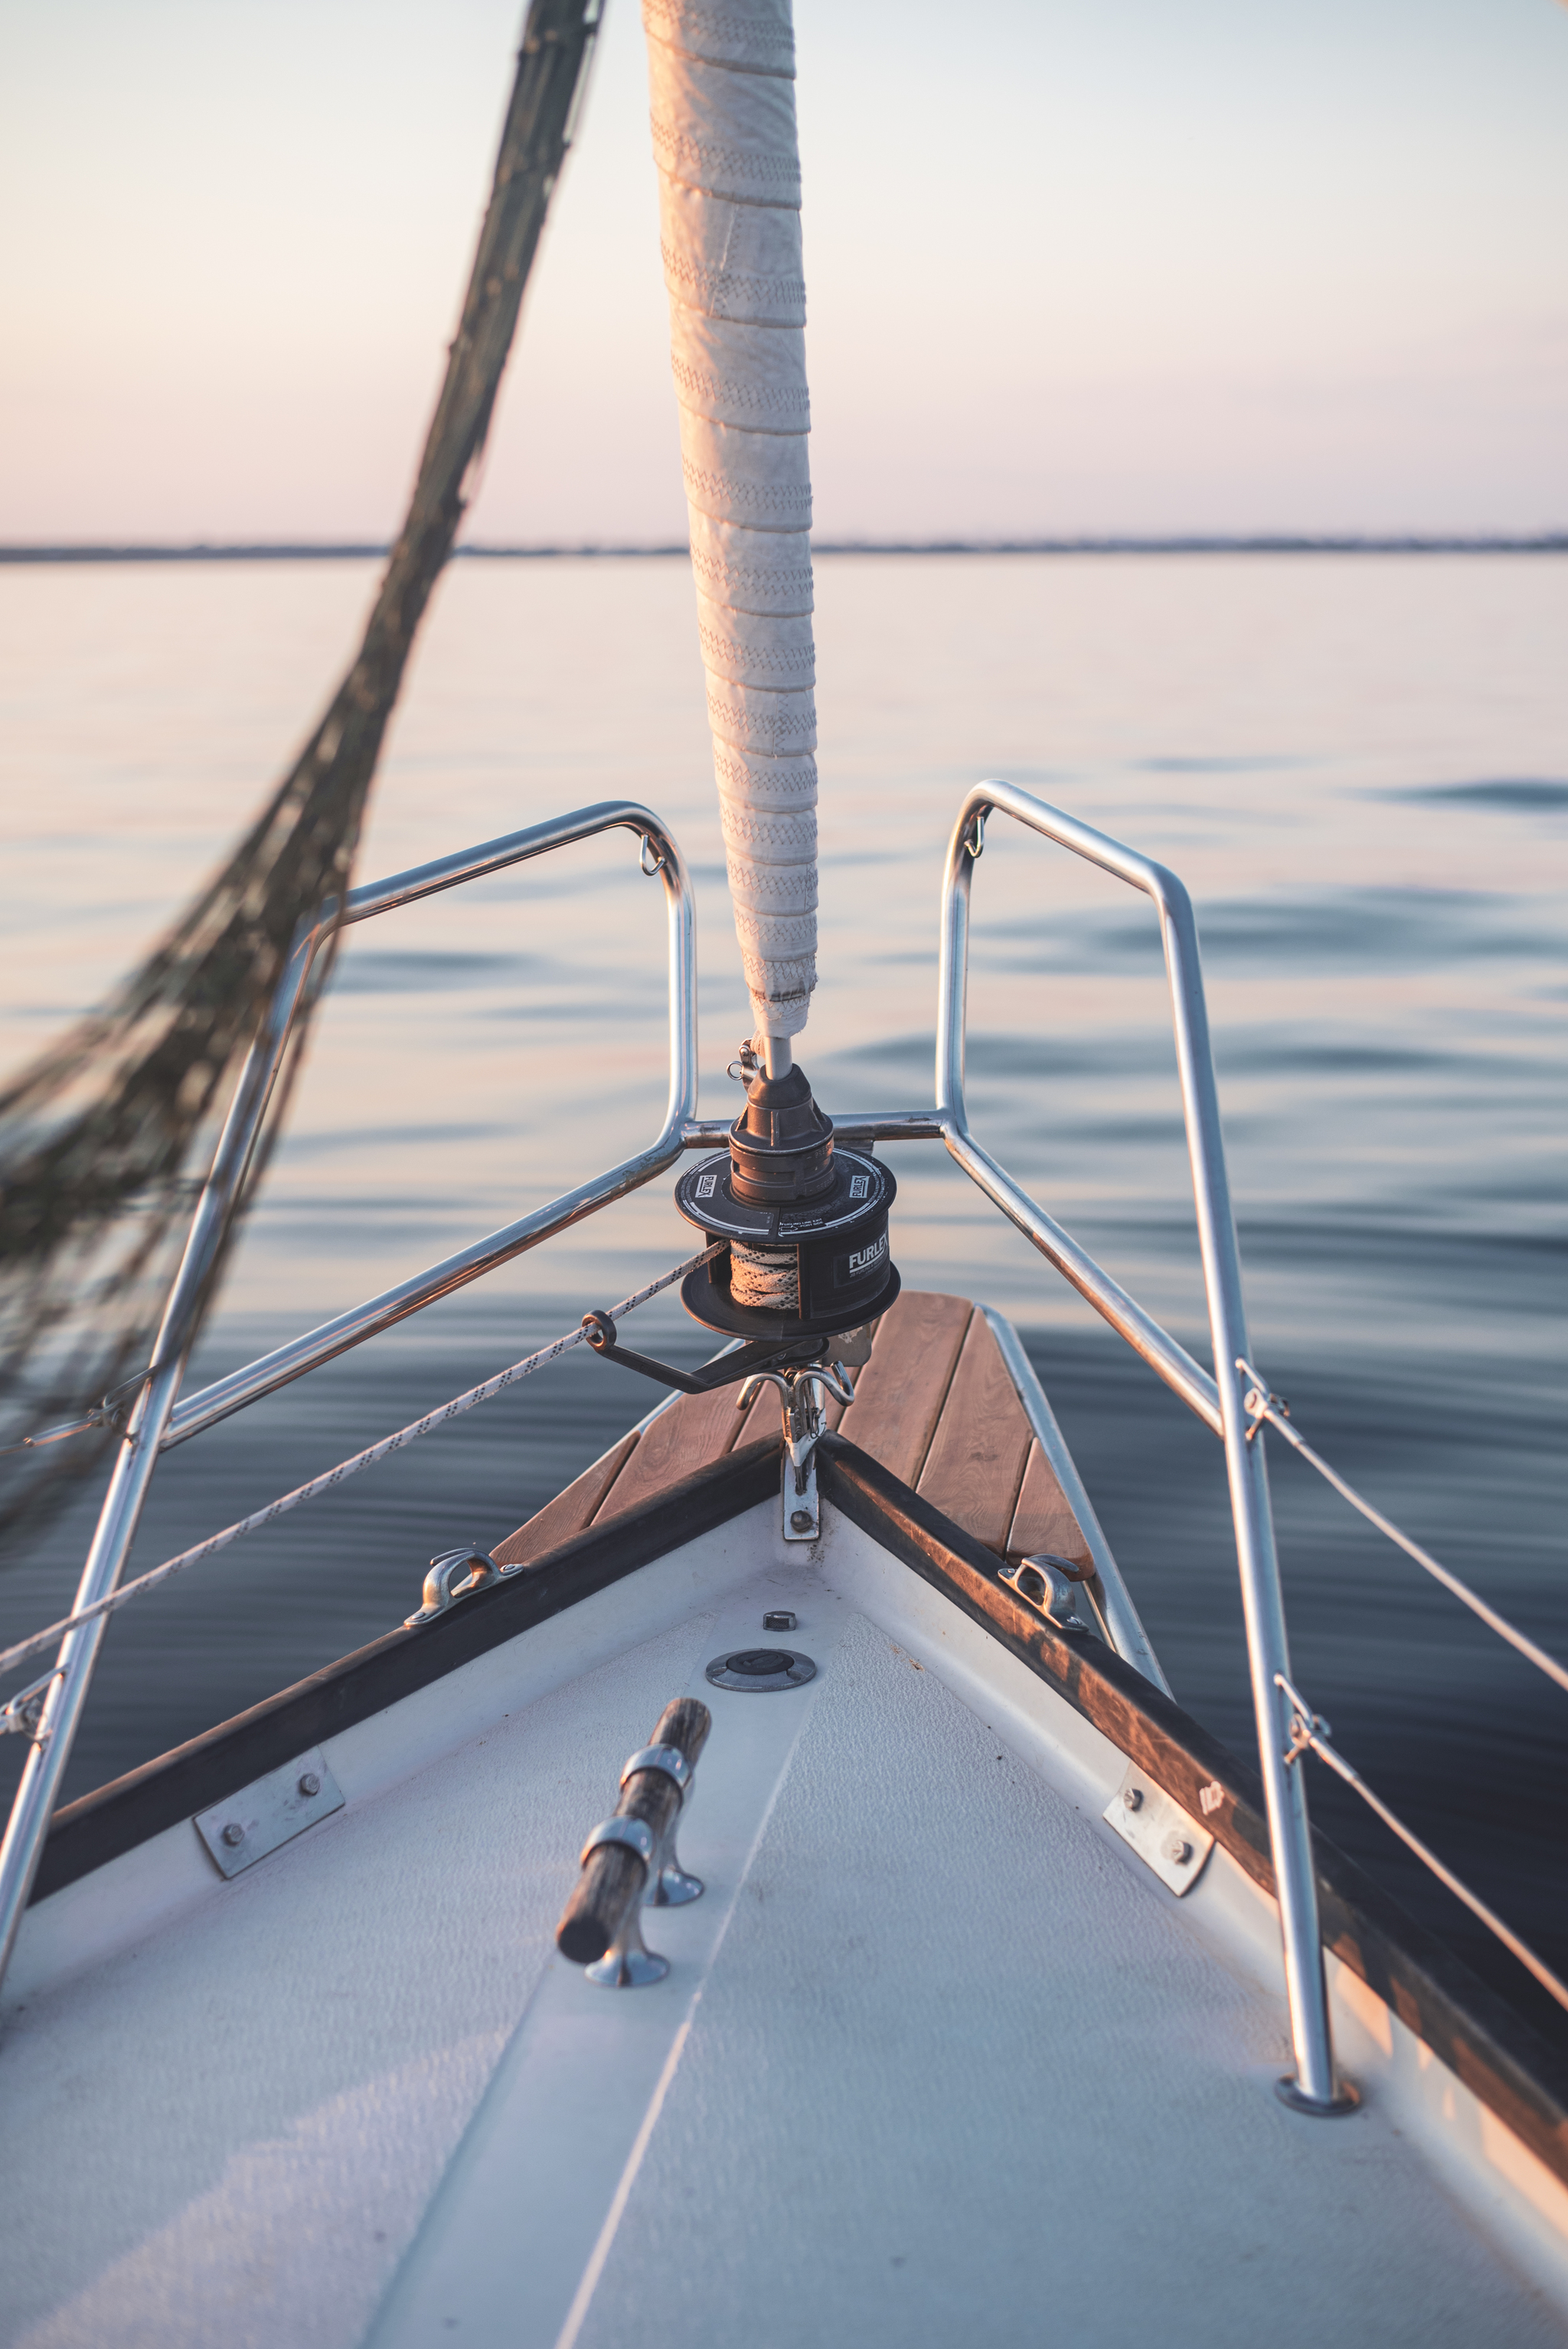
(233, 1833)
(1177, 1850)
(801, 1520)
(780, 1619)
(1133, 1797)
(310, 1784)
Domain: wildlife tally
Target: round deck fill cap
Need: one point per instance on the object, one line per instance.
(761, 1669)
(759, 1663)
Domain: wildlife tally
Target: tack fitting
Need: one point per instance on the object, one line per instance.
(802, 1394)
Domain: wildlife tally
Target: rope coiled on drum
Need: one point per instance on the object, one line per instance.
(768, 1277)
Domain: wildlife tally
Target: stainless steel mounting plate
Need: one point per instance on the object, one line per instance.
(802, 1511)
(1159, 1831)
(270, 1812)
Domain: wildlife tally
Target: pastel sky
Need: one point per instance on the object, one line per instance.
(1073, 265)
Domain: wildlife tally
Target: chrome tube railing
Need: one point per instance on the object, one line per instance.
(853, 1129)
(307, 1353)
(1122, 1620)
(155, 1421)
(1218, 1400)
(54, 1728)
(160, 1419)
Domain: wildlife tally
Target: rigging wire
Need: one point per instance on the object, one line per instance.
(332, 1477)
(1261, 1405)
(1308, 1729)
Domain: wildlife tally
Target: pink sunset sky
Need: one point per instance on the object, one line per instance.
(1074, 266)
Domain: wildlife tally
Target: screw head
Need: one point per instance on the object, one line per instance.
(310, 1784)
(1133, 1797)
(1177, 1850)
(233, 1833)
(780, 1619)
(799, 1521)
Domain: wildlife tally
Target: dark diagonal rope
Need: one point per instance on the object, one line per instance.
(103, 1139)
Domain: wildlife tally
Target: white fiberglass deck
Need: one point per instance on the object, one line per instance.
(938, 2061)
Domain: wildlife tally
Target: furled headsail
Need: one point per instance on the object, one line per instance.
(722, 90)
(806, 1224)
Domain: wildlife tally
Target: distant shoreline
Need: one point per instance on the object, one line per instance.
(1272, 542)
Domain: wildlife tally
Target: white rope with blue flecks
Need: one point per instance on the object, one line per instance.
(333, 1476)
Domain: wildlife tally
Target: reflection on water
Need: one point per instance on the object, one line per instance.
(1355, 765)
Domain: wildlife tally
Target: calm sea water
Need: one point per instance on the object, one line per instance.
(1359, 766)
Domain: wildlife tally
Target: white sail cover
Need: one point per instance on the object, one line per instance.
(722, 86)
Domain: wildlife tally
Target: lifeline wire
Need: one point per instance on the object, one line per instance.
(343, 1470)
(1309, 1729)
(1261, 1405)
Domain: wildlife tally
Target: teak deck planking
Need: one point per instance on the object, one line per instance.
(934, 1405)
(975, 1466)
(1044, 1520)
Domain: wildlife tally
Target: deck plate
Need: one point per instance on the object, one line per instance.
(1159, 1831)
(269, 1812)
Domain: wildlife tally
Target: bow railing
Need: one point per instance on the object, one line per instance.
(1233, 1402)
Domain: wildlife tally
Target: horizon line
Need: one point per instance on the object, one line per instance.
(1553, 541)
